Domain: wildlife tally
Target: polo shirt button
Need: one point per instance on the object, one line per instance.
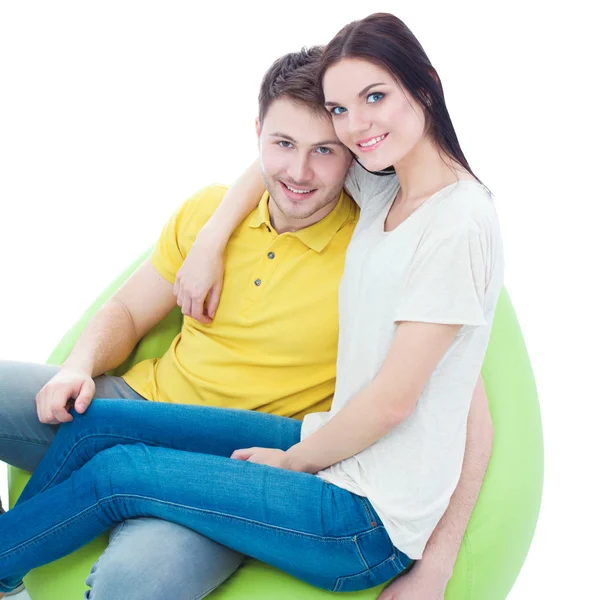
(257, 282)
(271, 255)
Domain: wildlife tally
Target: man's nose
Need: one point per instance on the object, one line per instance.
(300, 171)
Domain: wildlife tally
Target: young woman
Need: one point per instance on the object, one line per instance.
(357, 491)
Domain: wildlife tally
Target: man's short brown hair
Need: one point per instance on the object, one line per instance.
(293, 76)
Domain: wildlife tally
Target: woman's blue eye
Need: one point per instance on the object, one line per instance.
(326, 150)
(285, 142)
(376, 99)
(334, 110)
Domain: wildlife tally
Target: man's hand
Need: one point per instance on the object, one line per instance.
(68, 384)
(272, 457)
(420, 583)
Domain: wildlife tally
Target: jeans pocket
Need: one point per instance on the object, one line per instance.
(372, 516)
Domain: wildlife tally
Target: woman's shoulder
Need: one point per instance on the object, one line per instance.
(363, 185)
(466, 198)
(464, 205)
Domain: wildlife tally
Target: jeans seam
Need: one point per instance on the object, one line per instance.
(348, 538)
(118, 531)
(341, 580)
(12, 438)
(368, 510)
(213, 588)
(24, 545)
(360, 552)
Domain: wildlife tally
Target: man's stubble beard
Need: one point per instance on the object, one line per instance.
(279, 199)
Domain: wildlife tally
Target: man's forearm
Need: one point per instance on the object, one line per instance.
(239, 201)
(442, 548)
(106, 342)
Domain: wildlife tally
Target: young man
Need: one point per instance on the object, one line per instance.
(272, 346)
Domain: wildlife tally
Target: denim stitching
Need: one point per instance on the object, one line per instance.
(26, 544)
(360, 552)
(118, 530)
(341, 580)
(213, 588)
(367, 509)
(12, 438)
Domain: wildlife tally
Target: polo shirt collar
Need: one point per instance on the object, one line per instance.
(317, 236)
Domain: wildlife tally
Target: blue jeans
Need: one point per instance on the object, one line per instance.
(142, 559)
(128, 459)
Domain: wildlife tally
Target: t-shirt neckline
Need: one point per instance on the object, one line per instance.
(386, 212)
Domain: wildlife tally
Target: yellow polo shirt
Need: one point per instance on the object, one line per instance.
(272, 346)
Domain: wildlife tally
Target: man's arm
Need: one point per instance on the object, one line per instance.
(108, 339)
(112, 333)
(431, 574)
(447, 537)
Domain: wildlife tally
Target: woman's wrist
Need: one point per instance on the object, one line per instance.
(212, 237)
(295, 461)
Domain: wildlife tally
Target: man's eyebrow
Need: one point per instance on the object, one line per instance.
(362, 92)
(335, 142)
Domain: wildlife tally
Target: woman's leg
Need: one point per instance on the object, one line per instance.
(203, 429)
(294, 521)
(109, 422)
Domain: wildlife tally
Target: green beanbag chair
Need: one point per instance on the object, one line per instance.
(500, 530)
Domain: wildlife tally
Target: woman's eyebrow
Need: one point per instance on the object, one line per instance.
(360, 94)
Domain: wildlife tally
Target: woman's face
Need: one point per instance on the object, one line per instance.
(372, 114)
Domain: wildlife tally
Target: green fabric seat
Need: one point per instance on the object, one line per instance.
(499, 532)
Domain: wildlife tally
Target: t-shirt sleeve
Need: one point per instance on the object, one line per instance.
(180, 231)
(363, 186)
(446, 279)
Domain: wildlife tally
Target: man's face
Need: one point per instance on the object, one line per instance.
(303, 164)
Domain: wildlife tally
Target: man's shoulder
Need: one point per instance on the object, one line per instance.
(207, 199)
(198, 208)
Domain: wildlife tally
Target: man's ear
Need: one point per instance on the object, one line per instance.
(258, 129)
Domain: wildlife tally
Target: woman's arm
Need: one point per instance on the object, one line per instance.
(199, 281)
(383, 404)
(239, 201)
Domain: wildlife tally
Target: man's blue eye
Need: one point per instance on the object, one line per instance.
(284, 142)
(379, 97)
(326, 150)
(334, 110)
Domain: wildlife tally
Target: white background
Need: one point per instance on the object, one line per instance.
(113, 113)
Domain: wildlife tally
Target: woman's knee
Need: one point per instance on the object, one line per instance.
(124, 470)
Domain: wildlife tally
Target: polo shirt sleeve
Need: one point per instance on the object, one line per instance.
(362, 185)
(181, 229)
(446, 279)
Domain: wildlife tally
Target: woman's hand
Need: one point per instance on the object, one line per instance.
(199, 281)
(273, 457)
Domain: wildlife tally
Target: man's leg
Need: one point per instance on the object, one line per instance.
(151, 558)
(194, 572)
(23, 439)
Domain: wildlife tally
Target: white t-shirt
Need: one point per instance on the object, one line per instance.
(443, 264)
